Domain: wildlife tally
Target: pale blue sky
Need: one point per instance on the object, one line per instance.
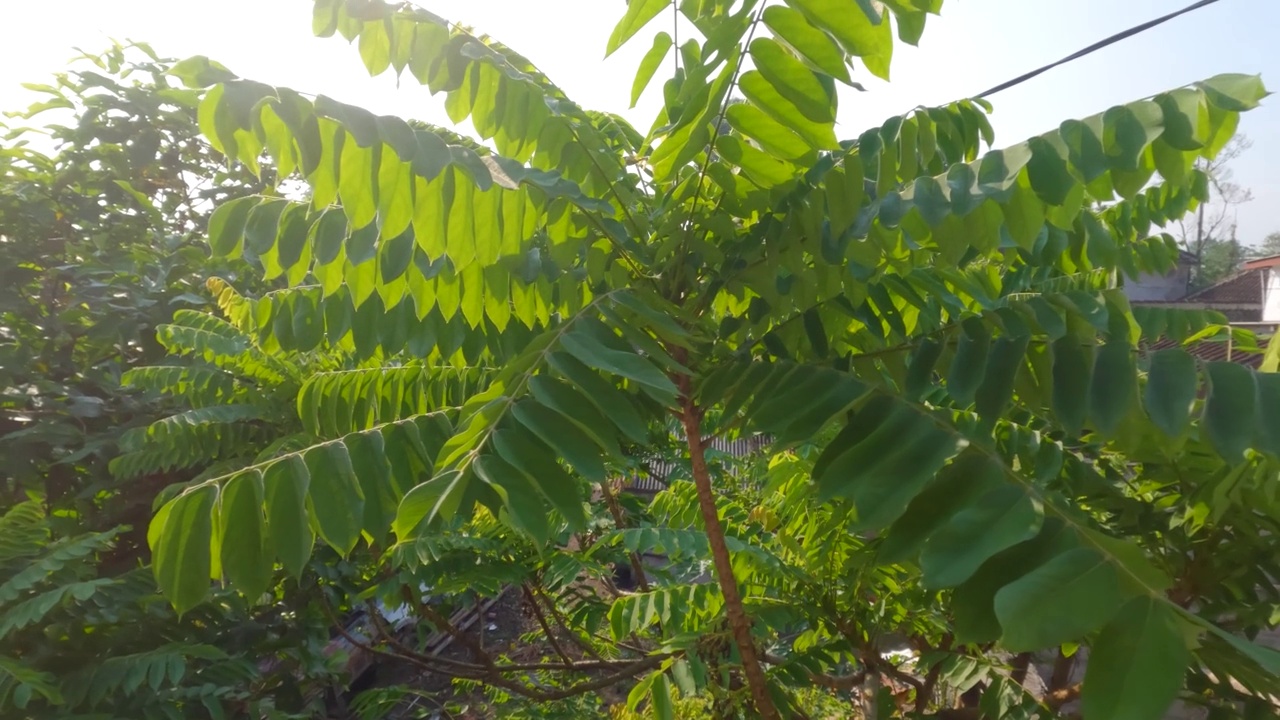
(974, 45)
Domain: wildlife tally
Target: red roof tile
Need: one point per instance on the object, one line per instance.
(1244, 287)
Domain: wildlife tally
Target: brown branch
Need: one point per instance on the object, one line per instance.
(442, 623)
(924, 695)
(826, 680)
(900, 676)
(1061, 676)
(573, 636)
(414, 659)
(1021, 664)
(605, 681)
(542, 622)
(739, 624)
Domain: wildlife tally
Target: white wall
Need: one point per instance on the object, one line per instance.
(1271, 303)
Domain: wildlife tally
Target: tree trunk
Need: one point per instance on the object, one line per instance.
(738, 622)
(637, 566)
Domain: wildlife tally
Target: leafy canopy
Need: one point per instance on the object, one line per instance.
(932, 333)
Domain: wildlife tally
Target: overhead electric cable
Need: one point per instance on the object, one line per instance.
(1097, 46)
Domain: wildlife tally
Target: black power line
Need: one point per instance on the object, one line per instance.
(1097, 46)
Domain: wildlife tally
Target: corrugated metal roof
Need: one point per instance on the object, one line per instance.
(1212, 351)
(654, 480)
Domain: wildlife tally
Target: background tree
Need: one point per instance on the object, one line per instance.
(103, 210)
(1219, 260)
(1269, 246)
(1210, 234)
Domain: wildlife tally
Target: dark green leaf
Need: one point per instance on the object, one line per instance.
(960, 484)
(888, 465)
(1114, 386)
(334, 496)
(536, 462)
(226, 226)
(565, 437)
(969, 365)
(246, 557)
(1000, 519)
(1229, 408)
(1171, 390)
(1136, 665)
(285, 487)
(182, 561)
(611, 401)
(1072, 595)
(524, 504)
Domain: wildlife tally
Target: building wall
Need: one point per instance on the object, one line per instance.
(1156, 288)
(1271, 302)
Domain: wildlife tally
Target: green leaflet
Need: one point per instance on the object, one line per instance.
(798, 414)
(564, 436)
(661, 699)
(227, 224)
(369, 461)
(1267, 429)
(1171, 390)
(521, 499)
(972, 601)
(1234, 92)
(531, 458)
(285, 485)
(958, 486)
(814, 45)
(895, 452)
(628, 365)
(1072, 372)
(438, 498)
(611, 401)
(764, 170)
(261, 225)
(969, 365)
(649, 65)
(765, 96)
(181, 562)
(575, 406)
(1063, 600)
(793, 80)
(1136, 665)
(245, 552)
(334, 498)
(639, 13)
(920, 368)
(1229, 410)
(873, 42)
(996, 391)
(999, 519)
(1114, 386)
(774, 137)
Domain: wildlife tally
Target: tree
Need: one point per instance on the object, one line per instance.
(1270, 246)
(969, 448)
(103, 210)
(1212, 229)
(1219, 260)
